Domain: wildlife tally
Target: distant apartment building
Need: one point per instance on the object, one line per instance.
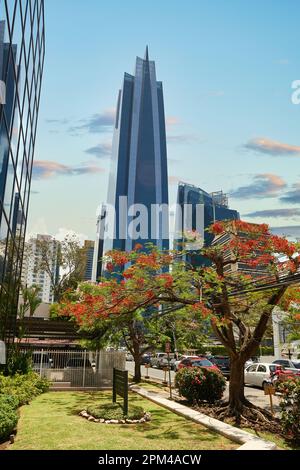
(33, 273)
(242, 266)
(198, 210)
(88, 250)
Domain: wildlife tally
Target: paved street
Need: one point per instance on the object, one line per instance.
(254, 394)
(153, 373)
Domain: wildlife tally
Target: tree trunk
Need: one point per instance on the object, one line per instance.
(136, 352)
(137, 368)
(236, 386)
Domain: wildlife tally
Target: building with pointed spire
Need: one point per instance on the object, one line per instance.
(139, 175)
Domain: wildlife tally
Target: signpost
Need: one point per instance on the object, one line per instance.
(2, 353)
(147, 367)
(168, 350)
(120, 387)
(269, 389)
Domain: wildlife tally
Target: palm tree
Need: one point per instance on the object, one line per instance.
(31, 298)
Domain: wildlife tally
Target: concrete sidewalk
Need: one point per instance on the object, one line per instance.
(248, 441)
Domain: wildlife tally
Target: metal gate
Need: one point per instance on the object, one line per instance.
(78, 369)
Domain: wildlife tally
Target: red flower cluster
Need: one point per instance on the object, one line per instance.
(148, 260)
(129, 273)
(202, 309)
(168, 280)
(110, 267)
(246, 227)
(140, 283)
(119, 258)
(281, 245)
(217, 228)
(137, 247)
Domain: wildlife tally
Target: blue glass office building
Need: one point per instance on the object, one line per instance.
(204, 209)
(22, 47)
(139, 157)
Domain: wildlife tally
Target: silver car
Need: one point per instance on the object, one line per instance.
(259, 374)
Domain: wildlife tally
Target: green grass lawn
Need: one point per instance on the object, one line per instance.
(281, 443)
(51, 422)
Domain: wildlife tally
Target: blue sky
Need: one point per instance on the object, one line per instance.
(227, 67)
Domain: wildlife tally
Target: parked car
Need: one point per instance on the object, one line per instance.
(259, 374)
(176, 362)
(198, 362)
(79, 372)
(145, 359)
(156, 359)
(129, 357)
(41, 359)
(166, 362)
(283, 373)
(290, 363)
(78, 362)
(223, 364)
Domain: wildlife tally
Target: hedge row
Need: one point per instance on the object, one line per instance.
(16, 391)
(8, 415)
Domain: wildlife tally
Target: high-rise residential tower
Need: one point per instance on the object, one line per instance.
(139, 175)
(22, 47)
(33, 274)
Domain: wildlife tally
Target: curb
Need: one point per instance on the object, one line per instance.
(248, 441)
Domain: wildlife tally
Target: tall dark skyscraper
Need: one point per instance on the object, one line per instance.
(197, 210)
(22, 48)
(139, 159)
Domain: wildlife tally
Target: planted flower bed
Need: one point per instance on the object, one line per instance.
(112, 413)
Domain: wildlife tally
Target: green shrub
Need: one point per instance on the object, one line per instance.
(18, 362)
(198, 384)
(8, 420)
(9, 400)
(15, 391)
(23, 387)
(290, 408)
(115, 411)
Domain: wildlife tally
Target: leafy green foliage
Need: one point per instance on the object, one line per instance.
(199, 384)
(9, 400)
(23, 388)
(18, 362)
(8, 420)
(70, 259)
(16, 391)
(115, 411)
(290, 408)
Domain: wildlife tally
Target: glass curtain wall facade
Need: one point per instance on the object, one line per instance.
(139, 158)
(211, 208)
(22, 49)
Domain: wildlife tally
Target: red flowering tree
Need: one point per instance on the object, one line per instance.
(237, 302)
